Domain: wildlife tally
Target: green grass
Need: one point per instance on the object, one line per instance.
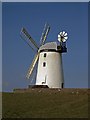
(47, 103)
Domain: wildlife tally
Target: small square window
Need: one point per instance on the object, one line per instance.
(44, 64)
(44, 54)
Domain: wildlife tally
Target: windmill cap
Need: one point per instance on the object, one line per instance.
(49, 46)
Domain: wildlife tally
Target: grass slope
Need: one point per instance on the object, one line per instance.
(46, 103)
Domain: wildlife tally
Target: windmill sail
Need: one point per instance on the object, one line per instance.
(32, 78)
(25, 40)
(27, 35)
(44, 34)
(30, 70)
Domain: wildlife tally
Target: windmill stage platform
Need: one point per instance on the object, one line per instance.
(38, 86)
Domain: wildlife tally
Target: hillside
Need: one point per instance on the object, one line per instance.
(46, 103)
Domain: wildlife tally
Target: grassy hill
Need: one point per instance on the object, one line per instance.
(46, 103)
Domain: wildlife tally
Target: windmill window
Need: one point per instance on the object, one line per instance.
(44, 64)
(44, 54)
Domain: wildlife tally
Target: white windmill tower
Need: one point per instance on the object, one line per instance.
(49, 59)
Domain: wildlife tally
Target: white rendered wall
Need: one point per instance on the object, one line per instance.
(52, 73)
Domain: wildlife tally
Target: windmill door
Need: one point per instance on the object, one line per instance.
(44, 81)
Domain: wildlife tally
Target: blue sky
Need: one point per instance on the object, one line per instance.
(17, 56)
(0, 46)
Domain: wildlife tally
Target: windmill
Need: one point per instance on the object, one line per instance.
(48, 57)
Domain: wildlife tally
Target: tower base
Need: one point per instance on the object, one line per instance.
(38, 86)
